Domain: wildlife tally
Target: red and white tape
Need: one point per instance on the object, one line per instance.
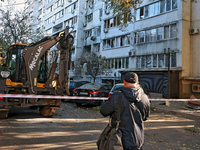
(79, 97)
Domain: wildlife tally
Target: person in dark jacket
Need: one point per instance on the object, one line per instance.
(135, 108)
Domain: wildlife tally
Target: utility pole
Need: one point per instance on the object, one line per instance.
(169, 75)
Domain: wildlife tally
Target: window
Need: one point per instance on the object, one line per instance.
(148, 61)
(146, 12)
(151, 10)
(155, 9)
(138, 62)
(153, 35)
(100, 13)
(173, 60)
(97, 47)
(143, 61)
(168, 5)
(162, 6)
(123, 40)
(160, 33)
(161, 60)
(141, 37)
(173, 31)
(174, 4)
(154, 61)
(119, 41)
(166, 32)
(147, 35)
(89, 18)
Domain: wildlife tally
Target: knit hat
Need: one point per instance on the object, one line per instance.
(131, 77)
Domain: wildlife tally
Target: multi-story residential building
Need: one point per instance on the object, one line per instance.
(161, 45)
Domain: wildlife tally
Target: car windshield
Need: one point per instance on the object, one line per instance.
(72, 84)
(117, 88)
(94, 86)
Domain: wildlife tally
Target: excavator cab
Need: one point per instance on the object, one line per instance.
(14, 63)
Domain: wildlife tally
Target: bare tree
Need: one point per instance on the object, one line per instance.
(91, 64)
(16, 27)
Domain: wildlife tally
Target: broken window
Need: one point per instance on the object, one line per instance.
(142, 13)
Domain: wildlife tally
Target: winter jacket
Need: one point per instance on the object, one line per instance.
(135, 108)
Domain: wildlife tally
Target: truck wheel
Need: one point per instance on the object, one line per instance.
(78, 104)
(4, 114)
(33, 107)
(46, 111)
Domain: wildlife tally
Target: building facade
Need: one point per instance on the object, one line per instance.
(161, 44)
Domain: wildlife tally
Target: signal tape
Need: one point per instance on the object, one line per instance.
(79, 97)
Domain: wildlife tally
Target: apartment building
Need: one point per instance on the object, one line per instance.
(161, 45)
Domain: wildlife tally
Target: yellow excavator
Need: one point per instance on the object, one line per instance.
(26, 72)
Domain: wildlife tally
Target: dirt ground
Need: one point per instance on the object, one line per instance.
(75, 128)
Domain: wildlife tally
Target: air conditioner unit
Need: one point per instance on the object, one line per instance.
(85, 24)
(69, 0)
(61, 5)
(194, 31)
(105, 30)
(131, 53)
(53, 22)
(196, 88)
(93, 38)
(107, 11)
(72, 11)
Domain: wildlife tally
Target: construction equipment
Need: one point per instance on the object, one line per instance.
(26, 72)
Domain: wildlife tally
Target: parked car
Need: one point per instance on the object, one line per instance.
(74, 84)
(91, 90)
(117, 87)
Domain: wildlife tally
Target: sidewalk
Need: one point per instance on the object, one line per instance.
(176, 108)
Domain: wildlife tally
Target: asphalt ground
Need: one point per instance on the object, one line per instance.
(73, 128)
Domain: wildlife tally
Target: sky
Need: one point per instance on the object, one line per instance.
(19, 4)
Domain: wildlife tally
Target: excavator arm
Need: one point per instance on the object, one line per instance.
(32, 54)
